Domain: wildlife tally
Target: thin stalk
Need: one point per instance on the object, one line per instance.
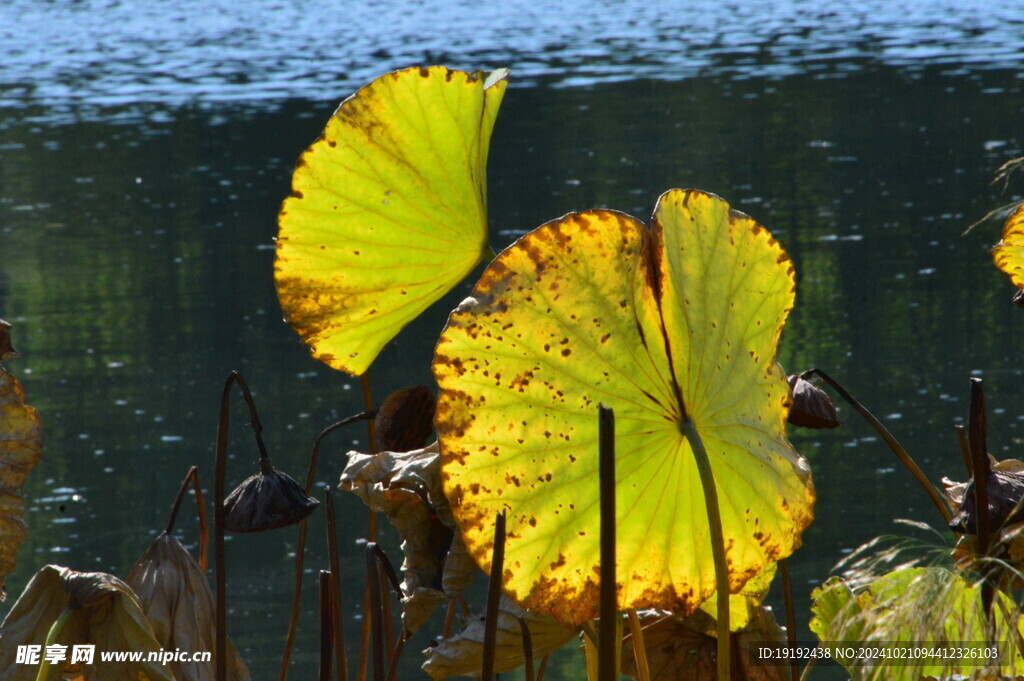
(192, 477)
(527, 649)
(369, 406)
(977, 434)
(1018, 640)
(389, 572)
(787, 597)
(337, 620)
(382, 572)
(894, 445)
(220, 464)
(387, 576)
(220, 473)
(300, 547)
(396, 653)
(807, 669)
(639, 649)
(588, 630)
(371, 533)
(493, 599)
(607, 645)
(965, 449)
(543, 667)
(707, 481)
(326, 626)
(385, 615)
(51, 638)
(449, 619)
(376, 625)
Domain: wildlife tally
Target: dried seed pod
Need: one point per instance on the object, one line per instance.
(812, 407)
(405, 420)
(265, 501)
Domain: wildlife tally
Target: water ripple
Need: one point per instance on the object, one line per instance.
(113, 52)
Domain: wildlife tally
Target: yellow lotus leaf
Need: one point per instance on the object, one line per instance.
(676, 322)
(21, 447)
(101, 611)
(388, 210)
(1009, 252)
(745, 605)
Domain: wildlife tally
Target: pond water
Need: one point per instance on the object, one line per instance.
(144, 154)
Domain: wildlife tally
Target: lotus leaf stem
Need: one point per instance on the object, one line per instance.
(524, 629)
(337, 620)
(204, 531)
(493, 599)
(707, 481)
(371, 532)
(607, 645)
(300, 546)
(326, 626)
(377, 625)
(977, 434)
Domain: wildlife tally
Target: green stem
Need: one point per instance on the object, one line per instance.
(707, 481)
(51, 638)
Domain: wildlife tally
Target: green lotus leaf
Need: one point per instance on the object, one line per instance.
(917, 607)
(388, 210)
(661, 324)
(1009, 252)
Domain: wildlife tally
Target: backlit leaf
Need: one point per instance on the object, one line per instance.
(678, 321)
(388, 210)
(105, 614)
(1009, 252)
(20, 450)
(920, 605)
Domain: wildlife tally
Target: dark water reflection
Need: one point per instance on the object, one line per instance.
(137, 255)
